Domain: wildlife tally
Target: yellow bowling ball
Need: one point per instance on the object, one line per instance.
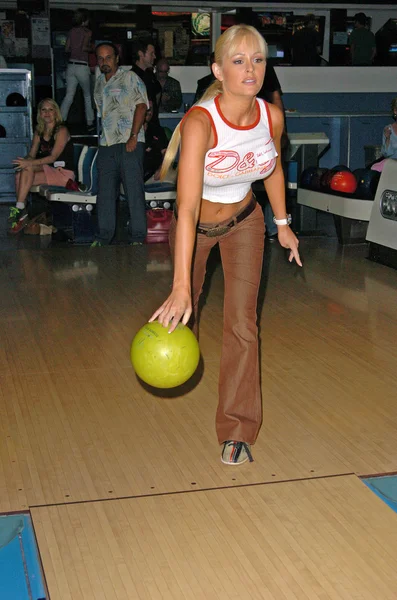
(162, 359)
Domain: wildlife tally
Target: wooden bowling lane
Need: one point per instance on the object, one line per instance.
(76, 425)
(98, 434)
(325, 539)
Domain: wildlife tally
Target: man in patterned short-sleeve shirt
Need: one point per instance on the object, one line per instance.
(121, 100)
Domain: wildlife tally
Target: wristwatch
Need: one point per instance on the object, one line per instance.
(286, 221)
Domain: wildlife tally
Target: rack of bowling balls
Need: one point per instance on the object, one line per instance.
(341, 181)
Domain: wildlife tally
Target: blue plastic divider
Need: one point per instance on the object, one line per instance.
(20, 571)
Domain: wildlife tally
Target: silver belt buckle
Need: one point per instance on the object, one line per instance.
(215, 231)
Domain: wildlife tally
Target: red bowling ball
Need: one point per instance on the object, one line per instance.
(343, 182)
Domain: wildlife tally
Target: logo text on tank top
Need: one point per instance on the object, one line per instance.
(229, 164)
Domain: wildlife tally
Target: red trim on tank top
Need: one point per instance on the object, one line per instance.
(207, 112)
(269, 118)
(240, 128)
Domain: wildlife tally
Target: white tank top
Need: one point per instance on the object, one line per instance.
(240, 156)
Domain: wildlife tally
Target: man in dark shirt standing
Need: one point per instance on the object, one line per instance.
(144, 55)
(155, 146)
(306, 45)
(271, 88)
(204, 83)
(362, 42)
(271, 92)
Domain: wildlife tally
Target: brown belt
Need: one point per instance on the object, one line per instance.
(223, 228)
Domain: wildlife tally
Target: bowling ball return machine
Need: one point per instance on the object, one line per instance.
(347, 196)
(382, 228)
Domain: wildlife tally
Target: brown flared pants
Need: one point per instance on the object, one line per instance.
(239, 412)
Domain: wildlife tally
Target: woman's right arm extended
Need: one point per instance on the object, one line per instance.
(195, 141)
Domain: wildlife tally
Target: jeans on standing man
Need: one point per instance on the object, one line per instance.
(115, 164)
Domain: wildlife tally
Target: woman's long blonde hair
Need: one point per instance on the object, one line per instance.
(226, 45)
(40, 129)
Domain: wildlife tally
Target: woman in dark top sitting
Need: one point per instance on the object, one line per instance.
(50, 160)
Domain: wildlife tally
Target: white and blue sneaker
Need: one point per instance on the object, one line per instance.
(236, 453)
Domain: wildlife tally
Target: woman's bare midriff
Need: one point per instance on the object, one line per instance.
(216, 212)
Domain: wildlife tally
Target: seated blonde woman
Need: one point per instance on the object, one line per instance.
(50, 160)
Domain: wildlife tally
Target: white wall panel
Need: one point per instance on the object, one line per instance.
(311, 79)
(337, 79)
